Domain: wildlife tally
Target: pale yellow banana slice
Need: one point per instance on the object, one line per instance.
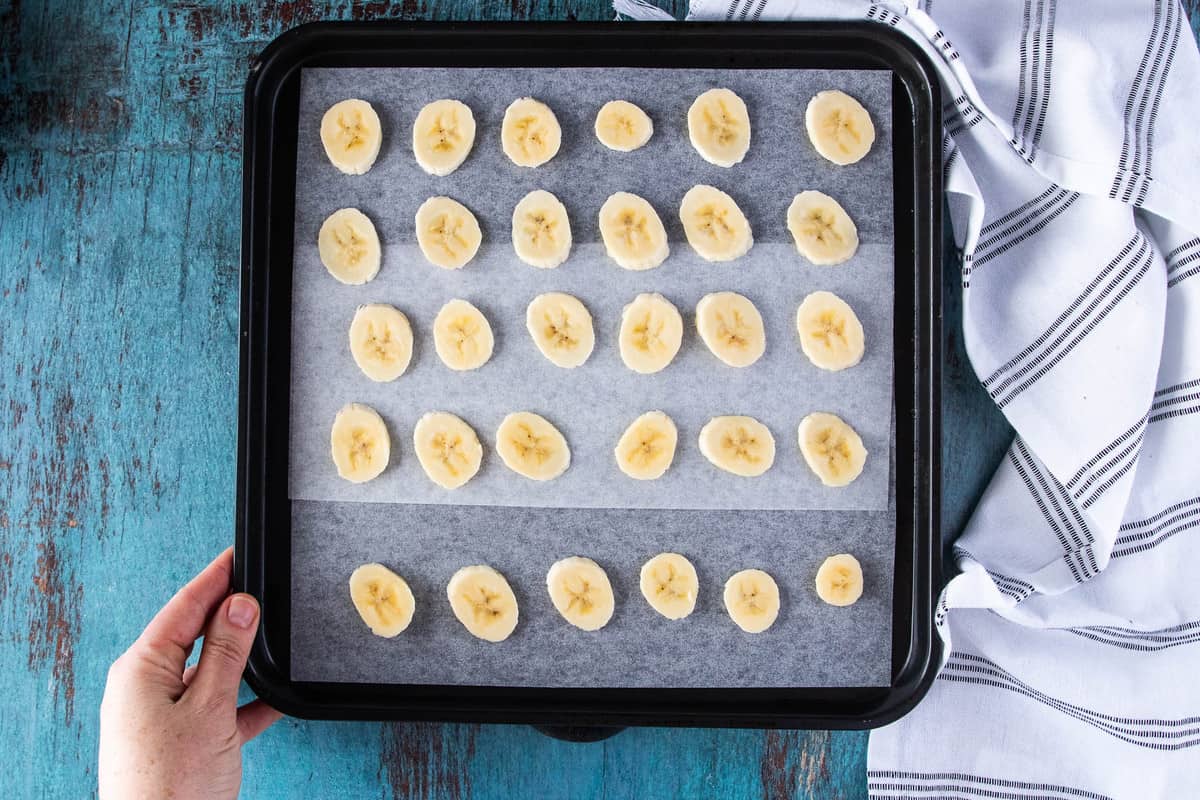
(732, 328)
(647, 448)
(447, 232)
(620, 125)
(830, 333)
(443, 135)
(633, 234)
(359, 443)
(349, 246)
(715, 227)
(462, 336)
(351, 134)
(541, 231)
(530, 133)
(752, 600)
(448, 449)
(670, 585)
(383, 599)
(580, 590)
(823, 231)
(741, 445)
(840, 580)
(531, 446)
(831, 448)
(719, 127)
(483, 602)
(381, 342)
(651, 333)
(561, 328)
(839, 127)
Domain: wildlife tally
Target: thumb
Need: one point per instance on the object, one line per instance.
(227, 642)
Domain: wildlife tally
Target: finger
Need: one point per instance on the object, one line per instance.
(177, 626)
(227, 643)
(254, 718)
(188, 674)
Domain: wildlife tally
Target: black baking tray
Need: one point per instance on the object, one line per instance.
(263, 522)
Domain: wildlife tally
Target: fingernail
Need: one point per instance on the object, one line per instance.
(242, 610)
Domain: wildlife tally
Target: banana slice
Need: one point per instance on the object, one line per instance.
(651, 333)
(541, 231)
(719, 127)
(351, 134)
(670, 585)
(752, 600)
(443, 135)
(732, 328)
(359, 443)
(382, 599)
(633, 234)
(447, 232)
(741, 445)
(483, 602)
(823, 231)
(831, 448)
(561, 328)
(530, 133)
(381, 342)
(620, 125)
(840, 580)
(580, 590)
(462, 336)
(647, 448)
(349, 246)
(830, 333)
(448, 449)
(530, 446)
(839, 127)
(716, 228)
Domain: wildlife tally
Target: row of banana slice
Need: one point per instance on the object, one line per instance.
(484, 602)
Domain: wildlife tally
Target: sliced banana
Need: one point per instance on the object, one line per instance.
(443, 135)
(620, 125)
(651, 333)
(541, 231)
(647, 448)
(530, 133)
(752, 600)
(351, 134)
(719, 127)
(561, 328)
(447, 232)
(462, 336)
(839, 127)
(580, 590)
(823, 231)
(715, 227)
(381, 342)
(731, 328)
(831, 448)
(448, 449)
(670, 585)
(359, 443)
(383, 599)
(830, 333)
(741, 445)
(349, 246)
(531, 446)
(840, 580)
(633, 234)
(483, 602)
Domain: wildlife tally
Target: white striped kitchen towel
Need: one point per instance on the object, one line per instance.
(1072, 166)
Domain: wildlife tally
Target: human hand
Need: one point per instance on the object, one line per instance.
(167, 732)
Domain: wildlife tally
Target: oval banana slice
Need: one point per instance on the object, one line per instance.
(541, 231)
(719, 127)
(830, 333)
(831, 448)
(349, 246)
(448, 449)
(647, 448)
(381, 342)
(462, 336)
(651, 333)
(633, 234)
(531, 446)
(443, 135)
(670, 585)
(752, 600)
(447, 232)
(351, 134)
(483, 602)
(622, 126)
(359, 443)
(383, 599)
(580, 590)
(561, 328)
(731, 328)
(530, 133)
(823, 231)
(715, 227)
(839, 127)
(840, 580)
(741, 445)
